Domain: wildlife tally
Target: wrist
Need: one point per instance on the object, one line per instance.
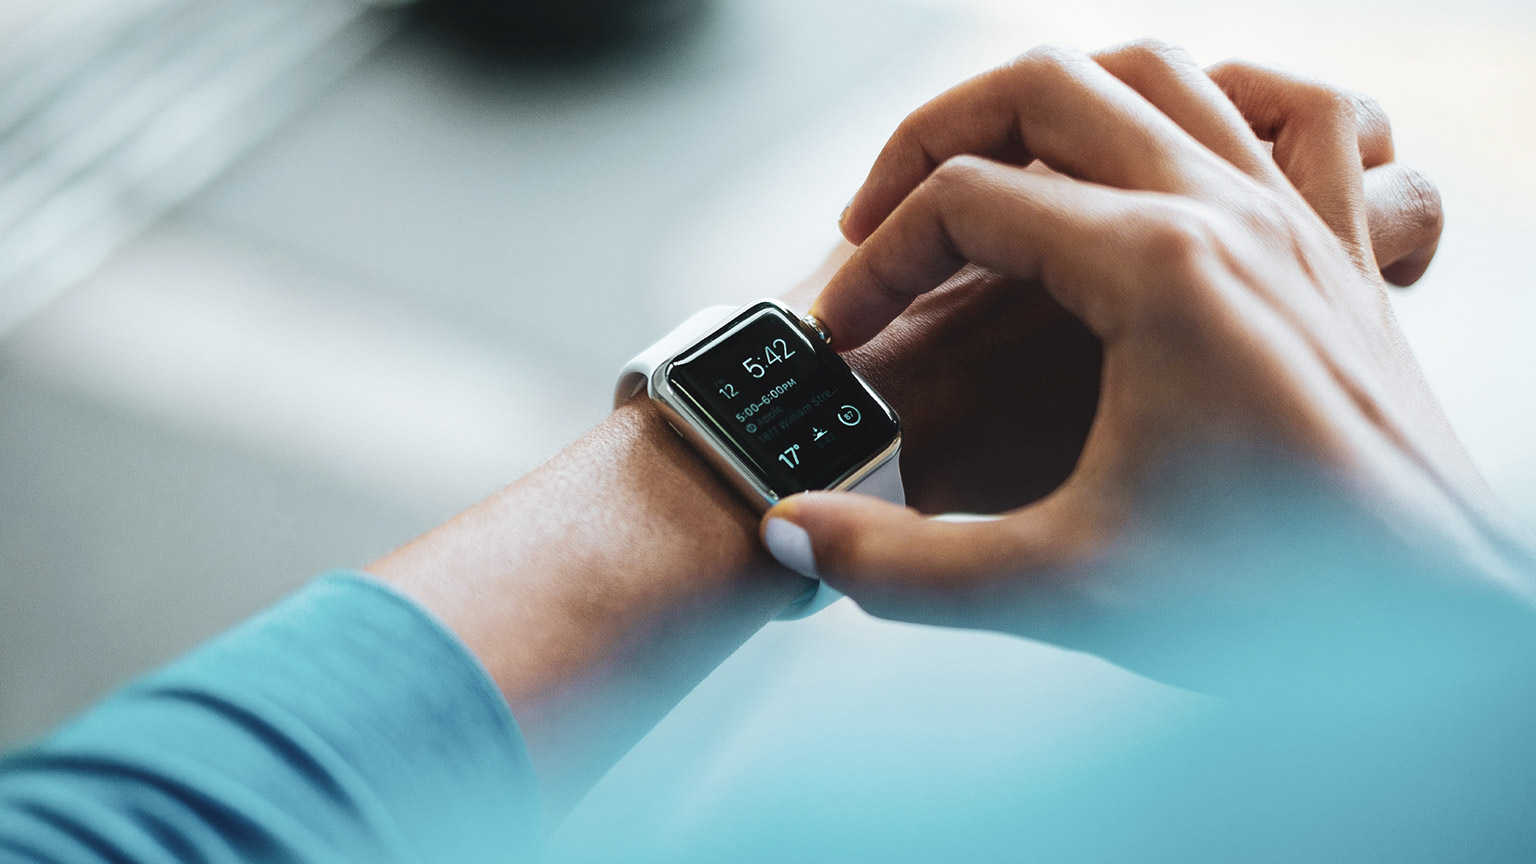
(689, 535)
(615, 539)
(598, 590)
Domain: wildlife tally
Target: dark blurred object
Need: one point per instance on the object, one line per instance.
(556, 27)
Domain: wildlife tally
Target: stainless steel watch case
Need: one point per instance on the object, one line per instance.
(698, 431)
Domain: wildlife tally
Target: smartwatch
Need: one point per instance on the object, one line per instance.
(761, 395)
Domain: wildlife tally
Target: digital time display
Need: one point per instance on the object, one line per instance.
(787, 405)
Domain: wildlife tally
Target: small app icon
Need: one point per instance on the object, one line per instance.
(849, 415)
(817, 433)
(751, 427)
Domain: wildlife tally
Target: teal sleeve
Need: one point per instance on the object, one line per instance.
(343, 724)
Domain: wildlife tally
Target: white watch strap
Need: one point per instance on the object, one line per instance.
(636, 377)
(885, 483)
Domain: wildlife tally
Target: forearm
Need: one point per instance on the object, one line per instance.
(596, 592)
(599, 590)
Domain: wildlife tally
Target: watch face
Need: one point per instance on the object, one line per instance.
(784, 403)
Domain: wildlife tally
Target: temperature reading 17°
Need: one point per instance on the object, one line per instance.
(791, 457)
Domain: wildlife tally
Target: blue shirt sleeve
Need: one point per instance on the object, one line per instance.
(343, 724)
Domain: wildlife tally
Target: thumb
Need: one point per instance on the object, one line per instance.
(896, 563)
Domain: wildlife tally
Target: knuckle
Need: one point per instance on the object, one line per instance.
(1049, 60)
(1327, 104)
(1235, 73)
(1177, 240)
(909, 132)
(1152, 55)
(1372, 117)
(1044, 73)
(1373, 129)
(1421, 202)
(1229, 67)
(908, 124)
(958, 173)
(1242, 81)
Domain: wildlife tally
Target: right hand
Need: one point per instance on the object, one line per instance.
(1238, 294)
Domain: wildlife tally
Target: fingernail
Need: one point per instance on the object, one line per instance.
(791, 546)
(843, 217)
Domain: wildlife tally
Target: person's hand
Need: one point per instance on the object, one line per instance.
(936, 366)
(1237, 291)
(966, 449)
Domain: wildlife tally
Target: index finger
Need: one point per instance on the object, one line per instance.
(1053, 104)
(1074, 237)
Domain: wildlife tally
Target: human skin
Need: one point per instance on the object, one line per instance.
(1213, 229)
(601, 587)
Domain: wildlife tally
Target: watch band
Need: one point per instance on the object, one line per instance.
(636, 377)
(883, 482)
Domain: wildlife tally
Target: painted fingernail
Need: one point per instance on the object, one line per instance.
(791, 546)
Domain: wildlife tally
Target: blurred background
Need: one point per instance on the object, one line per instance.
(285, 282)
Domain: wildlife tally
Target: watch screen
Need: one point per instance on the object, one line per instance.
(786, 404)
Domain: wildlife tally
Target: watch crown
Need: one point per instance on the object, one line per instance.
(817, 327)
